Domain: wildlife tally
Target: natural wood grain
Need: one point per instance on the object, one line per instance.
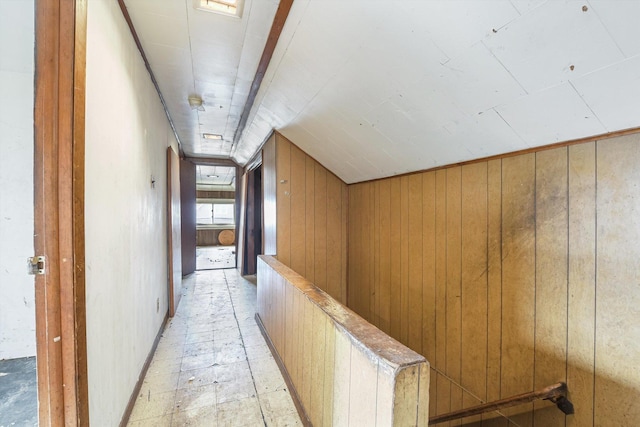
(283, 199)
(518, 276)
(404, 260)
(442, 386)
(474, 282)
(551, 278)
(453, 281)
(414, 260)
(298, 207)
(309, 218)
(617, 347)
(395, 259)
(581, 282)
(384, 261)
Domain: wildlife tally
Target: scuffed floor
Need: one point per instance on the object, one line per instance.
(212, 366)
(215, 257)
(18, 392)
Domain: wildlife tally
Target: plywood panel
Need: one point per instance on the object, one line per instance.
(316, 411)
(474, 283)
(551, 279)
(298, 208)
(453, 283)
(518, 277)
(582, 282)
(494, 288)
(309, 218)
(404, 260)
(384, 267)
(320, 250)
(329, 374)
(283, 199)
(414, 260)
(618, 295)
(334, 237)
(394, 250)
(442, 385)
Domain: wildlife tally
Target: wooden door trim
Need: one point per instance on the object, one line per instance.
(59, 211)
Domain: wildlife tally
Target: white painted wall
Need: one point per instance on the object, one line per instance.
(17, 306)
(127, 134)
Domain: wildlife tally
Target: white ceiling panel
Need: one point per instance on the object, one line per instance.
(194, 52)
(374, 88)
(616, 16)
(540, 47)
(553, 115)
(613, 93)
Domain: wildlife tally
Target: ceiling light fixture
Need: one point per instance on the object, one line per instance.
(196, 103)
(212, 136)
(213, 176)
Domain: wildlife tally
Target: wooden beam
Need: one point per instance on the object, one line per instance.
(274, 35)
(556, 393)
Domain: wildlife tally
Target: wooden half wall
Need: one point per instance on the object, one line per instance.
(305, 216)
(343, 370)
(509, 275)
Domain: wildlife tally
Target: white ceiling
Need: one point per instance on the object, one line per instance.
(374, 88)
(194, 52)
(215, 176)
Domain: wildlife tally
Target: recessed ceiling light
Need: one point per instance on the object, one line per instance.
(213, 176)
(212, 136)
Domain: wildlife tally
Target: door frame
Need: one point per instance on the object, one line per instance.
(59, 132)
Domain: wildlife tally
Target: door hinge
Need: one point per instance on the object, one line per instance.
(36, 265)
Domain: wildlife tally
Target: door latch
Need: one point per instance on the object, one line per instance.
(36, 265)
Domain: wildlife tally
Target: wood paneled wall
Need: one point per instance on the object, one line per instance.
(310, 216)
(344, 371)
(510, 275)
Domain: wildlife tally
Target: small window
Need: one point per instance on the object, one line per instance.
(225, 7)
(215, 213)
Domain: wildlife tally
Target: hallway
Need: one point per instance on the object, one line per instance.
(212, 366)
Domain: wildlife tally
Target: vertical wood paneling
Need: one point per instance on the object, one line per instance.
(309, 218)
(298, 207)
(307, 226)
(320, 250)
(413, 314)
(494, 287)
(453, 283)
(404, 259)
(334, 237)
(394, 250)
(582, 282)
(551, 279)
(474, 282)
(518, 277)
(384, 276)
(617, 347)
(507, 269)
(329, 374)
(443, 386)
(283, 199)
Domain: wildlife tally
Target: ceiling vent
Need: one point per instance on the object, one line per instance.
(223, 7)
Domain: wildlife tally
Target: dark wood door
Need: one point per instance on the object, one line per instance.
(253, 235)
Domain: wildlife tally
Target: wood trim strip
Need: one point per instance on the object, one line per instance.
(552, 392)
(127, 18)
(59, 211)
(285, 374)
(600, 137)
(143, 373)
(279, 20)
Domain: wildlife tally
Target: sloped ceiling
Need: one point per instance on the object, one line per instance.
(377, 88)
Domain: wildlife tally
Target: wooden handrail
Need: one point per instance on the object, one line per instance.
(556, 393)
